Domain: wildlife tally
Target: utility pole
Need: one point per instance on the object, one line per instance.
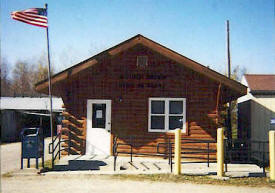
(229, 129)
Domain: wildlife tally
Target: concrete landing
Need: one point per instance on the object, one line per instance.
(98, 164)
(105, 164)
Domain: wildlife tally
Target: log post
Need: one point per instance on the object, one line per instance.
(220, 152)
(177, 158)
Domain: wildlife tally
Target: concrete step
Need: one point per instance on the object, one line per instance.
(143, 166)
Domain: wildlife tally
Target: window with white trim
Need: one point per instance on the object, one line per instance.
(167, 114)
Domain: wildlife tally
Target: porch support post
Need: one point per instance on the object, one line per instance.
(272, 154)
(220, 152)
(177, 157)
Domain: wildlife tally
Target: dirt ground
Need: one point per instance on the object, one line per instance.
(11, 156)
(98, 184)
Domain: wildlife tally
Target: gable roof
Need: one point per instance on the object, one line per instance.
(261, 83)
(139, 39)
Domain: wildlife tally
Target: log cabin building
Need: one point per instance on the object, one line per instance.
(142, 89)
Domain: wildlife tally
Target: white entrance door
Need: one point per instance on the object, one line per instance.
(98, 140)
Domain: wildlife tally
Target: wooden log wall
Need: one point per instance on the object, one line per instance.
(75, 130)
(129, 87)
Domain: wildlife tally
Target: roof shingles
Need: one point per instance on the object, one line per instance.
(261, 82)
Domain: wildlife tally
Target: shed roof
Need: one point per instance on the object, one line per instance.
(260, 82)
(139, 39)
(30, 103)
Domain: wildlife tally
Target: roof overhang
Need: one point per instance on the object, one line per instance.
(262, 92)
(31, 104)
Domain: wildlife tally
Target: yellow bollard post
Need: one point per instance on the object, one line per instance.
(220, 152)
(272, 155)
(177, 157)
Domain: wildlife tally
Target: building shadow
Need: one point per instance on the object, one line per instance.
(80, 165)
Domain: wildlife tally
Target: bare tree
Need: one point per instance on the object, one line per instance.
(40, 69)
(6, 89)
(26, 74)
(21, 76)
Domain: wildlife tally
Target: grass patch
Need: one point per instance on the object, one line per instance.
(246, 181)
(7, 175)
(47, 165)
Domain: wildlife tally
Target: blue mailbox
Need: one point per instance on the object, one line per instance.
(32, 145)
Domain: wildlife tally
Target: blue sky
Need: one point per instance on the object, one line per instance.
(193, 28)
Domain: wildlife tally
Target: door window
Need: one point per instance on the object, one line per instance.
(99, 116)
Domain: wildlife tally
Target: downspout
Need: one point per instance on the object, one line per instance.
(217, 103)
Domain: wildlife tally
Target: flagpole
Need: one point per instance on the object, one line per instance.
(50, 89)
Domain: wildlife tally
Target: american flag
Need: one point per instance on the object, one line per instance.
(32, 16)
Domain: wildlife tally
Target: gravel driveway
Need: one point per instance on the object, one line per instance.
(96, 184)
(11, 156)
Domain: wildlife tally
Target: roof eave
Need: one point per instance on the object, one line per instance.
(262, 92)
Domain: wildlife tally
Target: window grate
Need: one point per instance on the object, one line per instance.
(142, 61)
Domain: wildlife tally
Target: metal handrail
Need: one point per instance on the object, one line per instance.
(50, 144)
(198, 150)
(201, 150)
(58, 145)
(241, 152)
(168, 152)
(116, 152)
